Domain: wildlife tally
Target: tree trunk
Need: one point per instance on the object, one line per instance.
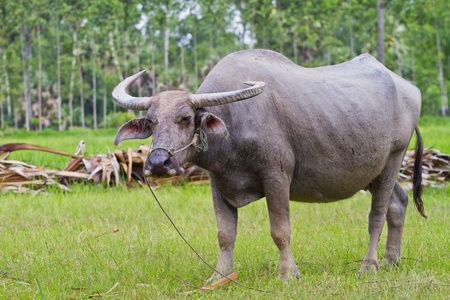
(114, 55)
(72, 74)
(264, 39)
(94, 83)
(381, 4)
(295, 49)
(28, 54)
(1, 112)
(24, 75)
(352, 39)
(280, 26)
(16, 119)
(58, 70)
(2, 99)
(116, 62)
(166, 50)
(195, 58)
(243, 36)
(104, 98)
(399, 57)
(444, 105)
(80, 74)
(138, 66)
(25, 79)
(39, 76)
(7, 86)
(252, 29)
(182, 65)
(125, 60)
(328, 56)
(2, 117)
(413, 64)
(153, 65)
(211, 41)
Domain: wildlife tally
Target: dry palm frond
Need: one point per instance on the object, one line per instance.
(435, 167)
(20, 177)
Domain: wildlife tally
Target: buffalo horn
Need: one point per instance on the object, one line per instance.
(125, 100)
(203, 100)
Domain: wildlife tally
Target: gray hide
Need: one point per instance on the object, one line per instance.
(313, 135)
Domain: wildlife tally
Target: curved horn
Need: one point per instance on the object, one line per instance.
(203, 100)
(123, 99)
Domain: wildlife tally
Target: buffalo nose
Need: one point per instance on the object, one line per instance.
(159, 163)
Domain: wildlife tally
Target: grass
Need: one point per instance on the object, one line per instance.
(86, 241)
(436, 133)
(79, 244)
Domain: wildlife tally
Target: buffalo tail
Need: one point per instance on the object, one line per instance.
(417, 176)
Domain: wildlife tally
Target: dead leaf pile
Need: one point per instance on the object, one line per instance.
(435, 167)
(128, 166)
(134, 168)
(21, 177)
(114, 167)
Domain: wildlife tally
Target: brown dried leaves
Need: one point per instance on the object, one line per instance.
(20, 177)
(435, 167)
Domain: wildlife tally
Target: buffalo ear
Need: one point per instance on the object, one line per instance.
(133, 129)
(212, 124)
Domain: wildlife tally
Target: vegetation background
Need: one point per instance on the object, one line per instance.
(60, 59)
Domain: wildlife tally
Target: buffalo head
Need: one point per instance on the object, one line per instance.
(175, 119)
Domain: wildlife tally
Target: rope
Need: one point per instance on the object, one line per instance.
(192, 248)
(203, 146)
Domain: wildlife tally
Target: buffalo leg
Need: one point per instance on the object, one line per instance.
(381, 189)
(395, 220)
(226, 217)
(277, 195)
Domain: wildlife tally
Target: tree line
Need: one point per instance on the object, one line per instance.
(60, 59)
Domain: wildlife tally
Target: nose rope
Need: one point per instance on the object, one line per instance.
(199, 135)
(193, 249)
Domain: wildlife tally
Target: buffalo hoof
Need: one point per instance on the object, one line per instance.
(287, 274)
(368, 267)
(215, 277)
(387, 263)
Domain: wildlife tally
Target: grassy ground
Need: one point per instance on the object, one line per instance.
(75, 245)
(436, 133)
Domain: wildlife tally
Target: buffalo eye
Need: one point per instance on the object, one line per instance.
(186, 119)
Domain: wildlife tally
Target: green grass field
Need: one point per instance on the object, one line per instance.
(435, 133)
(81, 244)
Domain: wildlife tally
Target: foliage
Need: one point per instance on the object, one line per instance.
(118, 119)
(180, 40)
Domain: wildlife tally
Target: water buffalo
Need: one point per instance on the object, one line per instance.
(314, 135)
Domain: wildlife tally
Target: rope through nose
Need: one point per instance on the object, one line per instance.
(199, 135)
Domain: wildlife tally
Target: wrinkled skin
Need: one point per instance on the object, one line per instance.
(313, 135)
